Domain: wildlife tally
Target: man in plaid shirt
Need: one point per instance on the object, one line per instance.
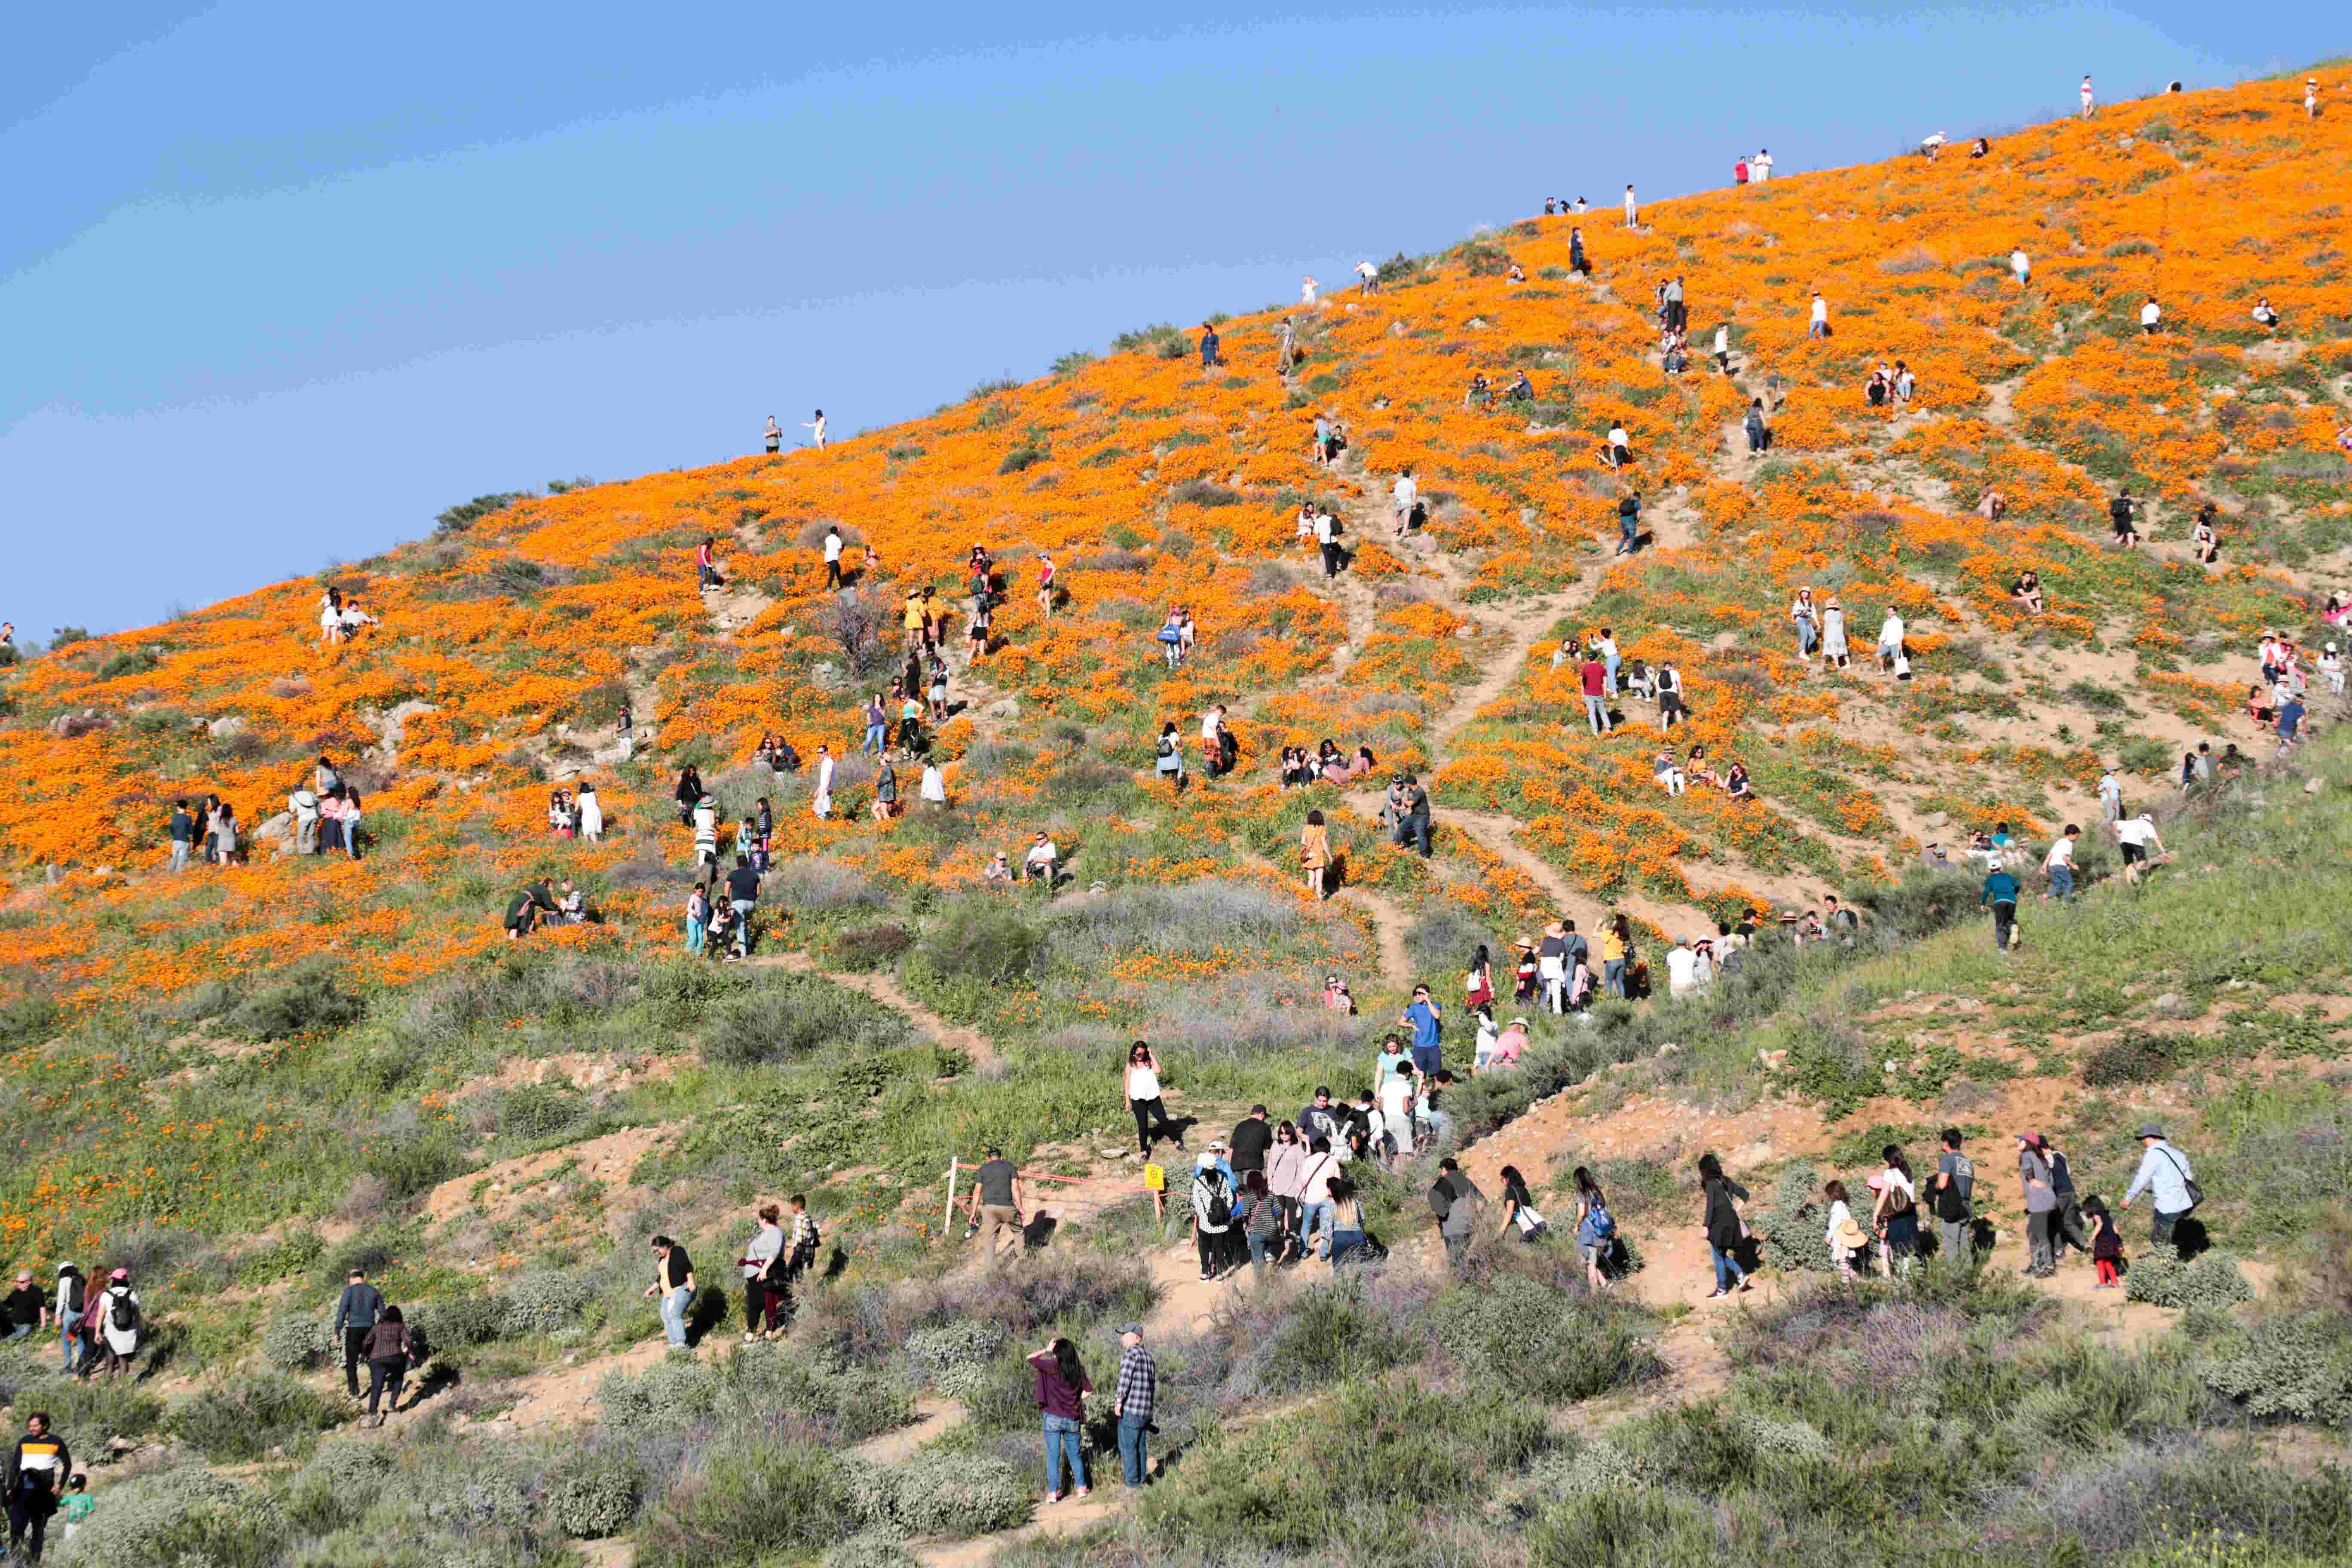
(803, 1250)
(1138, 1381)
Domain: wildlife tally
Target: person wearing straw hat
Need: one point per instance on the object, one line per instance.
(1845, 1236)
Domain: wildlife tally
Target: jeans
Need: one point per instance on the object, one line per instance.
(179, 855)
(1612, 662)
(2160, 1224)
(1596, 714)
(2004, 925)
(30, 1512)
(2066, 1226)
(1629, 530)
(1727, 1267)
(1256, 1251)
(1807, 638)
(69, 1344)
(1344, 1242)
(1131, 1455)
(744, 907)
(1612, 977)
(1457, 1247)
(1437, 1127)
(21, 1332)
(2037, 1241)
(1064, 1444)
(2061, 881)
(386, 1373)
(874, 738)
(1319, 1220)
(673, 1312)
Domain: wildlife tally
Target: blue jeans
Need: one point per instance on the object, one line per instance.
(1131, 1455)
(2061, 881)
(1612, 661)
(179, 855)
(1726, 1270)
(673, 1310)
(21, 1332)
(1807, 637)
(1257, 1250)
(1317, 1221)
(69, 1344)
(1628, 532)
(744, 907)
(1343, 1242)
(1062, 1442)
(1613, 977)
(1596, 714)
(1436, 1128)
(874, 737)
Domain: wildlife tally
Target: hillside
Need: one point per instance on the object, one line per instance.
(245, 1078)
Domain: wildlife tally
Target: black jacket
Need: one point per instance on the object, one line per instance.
(358, 1306)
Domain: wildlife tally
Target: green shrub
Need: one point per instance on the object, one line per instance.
(594, 1494)
(91, 1413)
(1554, 1344)
(985, 939)
(310, 1002)
(2136, 1056)
(412, 1160)
(457, 518)
(741, 1502)
(2159, 1278)
(955, 1358)
(535, 1110)
(1332, 1335)
(1623, 1528)
(456, 1321)
(542, 1302)
(943, 1494)
(298, 1341)
(246, 1416)
(294, 1253)
(1789, 1232)
(873, 1550)
(2285, 1365)
(184, 1515)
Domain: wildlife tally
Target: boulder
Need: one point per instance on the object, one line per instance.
(1003, 708)
(227, 725)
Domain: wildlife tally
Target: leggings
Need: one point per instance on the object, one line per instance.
(755, 1305)
(2108, 1273)
(1215, 1247)
(1146, 1114)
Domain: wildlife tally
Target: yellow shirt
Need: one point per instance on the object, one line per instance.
(1612, 944)
(915, 616)
(1315, 842)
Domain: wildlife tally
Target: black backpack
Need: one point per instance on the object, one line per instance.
(123, 1316)
(1220, 1210)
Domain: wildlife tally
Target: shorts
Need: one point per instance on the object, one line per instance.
(2135, 853)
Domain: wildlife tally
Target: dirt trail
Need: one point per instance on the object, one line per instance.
(883, 988)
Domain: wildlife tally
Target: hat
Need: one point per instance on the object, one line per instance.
(1216, 1146)
(1850, 1234)
(65, 1267)
(2148, 1130)
(2034, 1138)
(1876, 1182)
(1519, 1023)
(125, 1273)
(1130, 1328)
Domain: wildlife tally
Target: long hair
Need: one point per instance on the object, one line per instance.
(1590, 1190)
(1255, 1184)
(1710, 1169)
(1834, 1192)
(1285, 1132)
(1480, 960)
(1514, 1187)
(1893, 1156)
(391, 1314)
(1066, 1362)
(1624, 932)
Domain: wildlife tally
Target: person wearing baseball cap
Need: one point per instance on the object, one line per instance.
(1133, 1400)
(2165, 1174)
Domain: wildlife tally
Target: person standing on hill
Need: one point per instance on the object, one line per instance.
(1632, 211)
(821, 802)
(674, 1285)
(743, 894)
(183, 830)
(2086, 98)
(1425, 1019)
(1132, 1404)
(2041, 1205)
(706, 564)
(2311, 98)
(1368, 278)
(1062, 1386)
(2023, 265)
(1404, 498)
(996, 1205)
(1629, 514)
(2120, 521)
(2059, 864)
(1760, 167)
(1253, 1139)
(1953, 1190)
(1592, 676)
(762, 1261)
(816, 429)
(356, 1310)
(121, 1322)
(390, 1347)
(1327, 540)
(775, 436)
(1821, 321)
(833, 555)
(1576, 260)
(1759, 434)
(1677, 309)
(1141, 1088)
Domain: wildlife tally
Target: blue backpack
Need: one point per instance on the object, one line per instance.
(1596, 1226)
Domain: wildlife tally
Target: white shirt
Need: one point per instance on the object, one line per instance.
(1935, 140)
(2149, 315)
(1617, 437)
(1630, 203)
(2018, 263)
(1324, 523)
(1890, 634)
(1209, 725)
(1046, 854)
(2138, 831)
(2061, 853)
(2086, 92)
(825, 775)
(832, 547)
(935, 784)
(1406, 491)
(1821, 309)
(1608, 648)
(1682, 967)
(1722, 339)
(1759, 168)
(1142, 1083)
(1365, 269)
(1307, 292)
(1396, 1100)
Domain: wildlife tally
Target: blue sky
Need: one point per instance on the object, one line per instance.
(277, 284)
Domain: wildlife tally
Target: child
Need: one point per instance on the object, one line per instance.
(1844, 1237)
(2106, 1242)
(78, 1505)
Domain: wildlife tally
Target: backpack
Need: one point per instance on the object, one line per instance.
(1220, 1210)
(70, 1296)
(1952, 1202)
(1441, 1201)
(123, 1316)
(1598, 1225)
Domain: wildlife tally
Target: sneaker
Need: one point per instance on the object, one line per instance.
(1053, 1498)
(1745, 1283)
(1085, 1490)
(1716, 1294)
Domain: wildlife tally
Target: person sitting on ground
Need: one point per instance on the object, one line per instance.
(998, 873)
(1981, 147)
(1044, 861)
(1992, 505)
(1735, 783)
(1696, 769)
(1336, 997)
(2027, 591)
(572, 906)
(2259, 707)
(1618, 451)
(2264, 314)
(1669, 776)
(1481, 395)
(354, 618)
(1522, 390)
(1879, 388)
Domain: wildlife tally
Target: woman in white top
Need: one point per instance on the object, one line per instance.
(2022, 265)
(935, 783)
(1141, 1086)
(1396, 1113)
(1890, 640)
(816, 427)
(591, 813)
(331, 623)
(1807, 623)
(821, 803)
(1307, 290)
(1833, 646)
